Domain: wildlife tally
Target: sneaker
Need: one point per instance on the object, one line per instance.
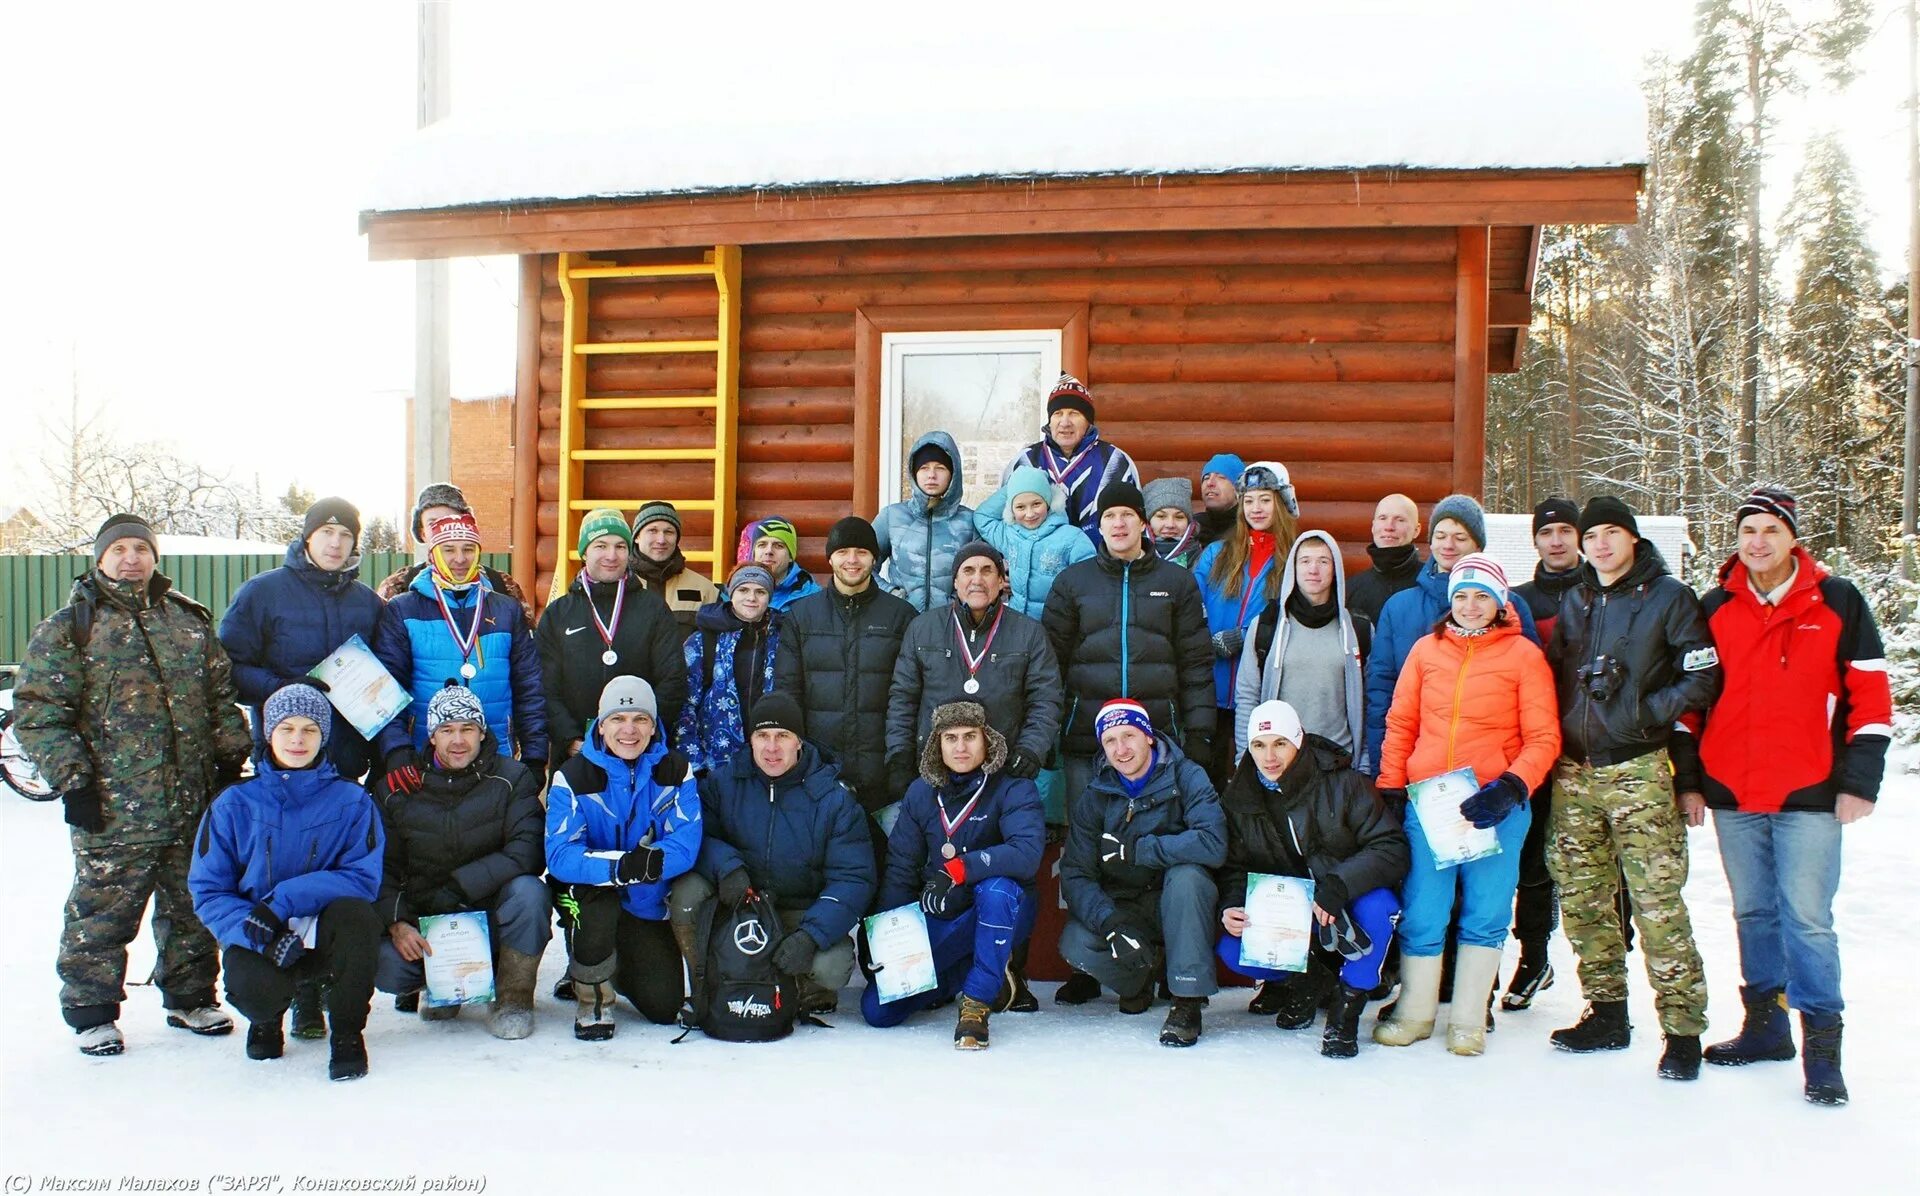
(309, 1011)
(101, 1040)
(1078, 990)
(1604, 1027)
(970, 1031)
(349, 1061)
(1532, 976)
(1681, 1059)
(265, 1040)
(210, 1020)
(1182, 1028)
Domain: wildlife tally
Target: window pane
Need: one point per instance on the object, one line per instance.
(991, 403)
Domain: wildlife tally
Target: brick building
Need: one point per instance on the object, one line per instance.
(482, 437)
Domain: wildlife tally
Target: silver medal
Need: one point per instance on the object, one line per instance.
(972, 686)
(468, 671)
(609, 657)
(947, 851)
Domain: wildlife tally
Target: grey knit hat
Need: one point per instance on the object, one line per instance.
(1161, 493)
(455, 704)
(1466, 512)
(933, 767)
(298, 701)
(629, 694)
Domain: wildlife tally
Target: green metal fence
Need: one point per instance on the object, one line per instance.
(33, 587)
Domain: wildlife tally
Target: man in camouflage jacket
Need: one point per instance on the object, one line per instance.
(126, 703)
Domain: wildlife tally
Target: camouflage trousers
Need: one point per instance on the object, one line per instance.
(111, 888)
(1620, 821)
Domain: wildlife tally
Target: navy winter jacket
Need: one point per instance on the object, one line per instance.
(296, 841)
(416, 646)
(801, 837)
(1177, 819)
(599, 807)
(1004, 836)
(283, 622)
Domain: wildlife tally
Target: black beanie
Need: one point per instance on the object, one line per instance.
(777, 711)
(121, 527)
(1556, 510)
(1122, 494)
(335, 511)
(931, 451)
(852, 532)
(979, 548)
(1608, 509)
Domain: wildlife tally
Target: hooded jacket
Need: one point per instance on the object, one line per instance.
(1649, 622)
(837, 657)
(1034, 556)
(647, 641)
(1369, 589)
(1175, 820)
(791, 588)
(295, 841)
(1003, 834)
(1324, 821)
(730, 665)
(283, 622)
(1092, 466)
(1483, 702)
(457, 841)
(1260, 663)
(919, 535)
(1019, 680)
(801, 837)
(600, 807)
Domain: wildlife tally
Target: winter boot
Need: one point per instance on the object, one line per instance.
(1341, 1038)
(209, 1020)
(813, 998)
(349, 1059)
(970, 1032)
(593, 1014)
(563, 988)
(1015, 996)
(266, 1040)
(1474, 975)
(101, 1040)
(406, 1002)
(1419, 1003)
(1820, 1057)
(1138, 1002)
(1765, 1035)
(1533, 975)
(511, 1015)
(309, 1010)
(438, 1013)
(1301, 996)
(1078, 990)
(1681, 1059)
(1604, 1027)
(1182, 1028)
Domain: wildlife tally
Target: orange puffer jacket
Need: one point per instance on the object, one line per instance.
(1481, 702)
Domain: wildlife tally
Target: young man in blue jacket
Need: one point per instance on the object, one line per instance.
(623, 821)
(967, 847)
(285, 870)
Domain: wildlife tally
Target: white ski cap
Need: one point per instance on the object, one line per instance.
(1276, 718)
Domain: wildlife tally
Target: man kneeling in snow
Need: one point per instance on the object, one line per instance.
(966, 847)
(1135, 872)
(470, 837)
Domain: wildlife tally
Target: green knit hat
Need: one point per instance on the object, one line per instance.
(604, 521)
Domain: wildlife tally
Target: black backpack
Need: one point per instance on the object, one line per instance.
(738, 995)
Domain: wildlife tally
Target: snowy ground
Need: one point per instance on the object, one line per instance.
(1065, 1100)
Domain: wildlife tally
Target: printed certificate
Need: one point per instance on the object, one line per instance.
(360, 687)
(902, 954)
(1279, 929)
(460, 970)
(1453, 839)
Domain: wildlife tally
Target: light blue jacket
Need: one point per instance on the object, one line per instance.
(919, 537)
(1034, 556)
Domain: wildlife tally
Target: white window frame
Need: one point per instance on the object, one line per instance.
(896, 347)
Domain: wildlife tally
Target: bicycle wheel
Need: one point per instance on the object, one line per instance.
(16, 770)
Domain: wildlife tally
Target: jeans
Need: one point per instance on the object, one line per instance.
(970, 952)
(1373, 911)
(1486, 887)
(1784, 869)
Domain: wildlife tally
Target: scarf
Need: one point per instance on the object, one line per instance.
(1312, 614)
(1399, 561)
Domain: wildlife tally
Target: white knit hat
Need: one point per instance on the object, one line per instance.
(1276, 718)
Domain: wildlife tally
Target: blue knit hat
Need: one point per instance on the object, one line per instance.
(1227, 465)
(303, 701)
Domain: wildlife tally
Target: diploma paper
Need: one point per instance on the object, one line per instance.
(460, 970)
(360, 687)
(1279, 923)
(886, 816)
(1452, 839)
(902, 955)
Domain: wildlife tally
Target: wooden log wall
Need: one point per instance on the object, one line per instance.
(1331, 350)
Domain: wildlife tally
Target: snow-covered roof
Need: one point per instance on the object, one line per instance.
(1409, 87)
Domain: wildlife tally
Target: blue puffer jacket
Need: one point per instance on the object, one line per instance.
(1226, 612)
(1034, 556)
(601, 803)
(1406, 617)
(919, 537)
(712, 727)
(801, 837)
(283, 622)
(298, 841)
(1176, 819)
(414, 643)
(797, 584)
(1004, 836)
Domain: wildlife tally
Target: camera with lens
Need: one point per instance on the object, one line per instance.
(1603, 677)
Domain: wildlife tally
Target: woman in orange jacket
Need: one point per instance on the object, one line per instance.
(1476, 694)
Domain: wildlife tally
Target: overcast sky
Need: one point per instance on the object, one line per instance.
(181, 225)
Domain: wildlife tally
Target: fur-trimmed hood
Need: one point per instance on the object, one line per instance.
(933, 770)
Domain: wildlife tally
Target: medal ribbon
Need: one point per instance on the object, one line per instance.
(469, 642)
(607, 630)
(950, 825)
(1064, 471)
(972, 661)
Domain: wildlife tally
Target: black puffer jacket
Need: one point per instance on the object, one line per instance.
(1133, 629)
(1652, 625)
(453, 844)
(647, 643)
(836, 659)
(1324, 821)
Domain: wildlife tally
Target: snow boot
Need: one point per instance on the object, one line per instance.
(1418, 1006)
(1078, 990)
(970, 1031)
(1765, 1035)
(349, 1058)
(813, 998)
(1474, 975)
(1603, 1027)
(563, 988)
(1015, 996)
(1531, 976)
(1341, 1039)
(511, 1015)
(1820, 1057)
(1681, 1059)
(266, 1040)
(309, 1010)
(406, 1002)
(208, 1020)
(1138, 1002)
(1182, 1028)
(1301, 996)
(1266, 998)
(101, 1040)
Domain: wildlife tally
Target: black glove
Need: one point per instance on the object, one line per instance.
(901, 772)
(1395, 799)
(672, 768)
(641, 866)
(286, 950)
(1227, 644)
(733, 887)
(1023, 764)
(262, 926)
(863, 952)
(1495, 800)
(83, 808)
(939, 896)
(1199, 747)
(1330, 893)
(403, 770)
(794, 955)
(1127, 944)
(1115, 850)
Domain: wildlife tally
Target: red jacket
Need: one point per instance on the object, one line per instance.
(1806, 712)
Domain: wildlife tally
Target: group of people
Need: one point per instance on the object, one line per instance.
(1190, 702)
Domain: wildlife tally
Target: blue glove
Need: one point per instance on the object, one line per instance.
(262, 926)
(1495, 800)
(286, 950)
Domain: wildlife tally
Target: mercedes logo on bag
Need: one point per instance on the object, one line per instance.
(750, 937)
